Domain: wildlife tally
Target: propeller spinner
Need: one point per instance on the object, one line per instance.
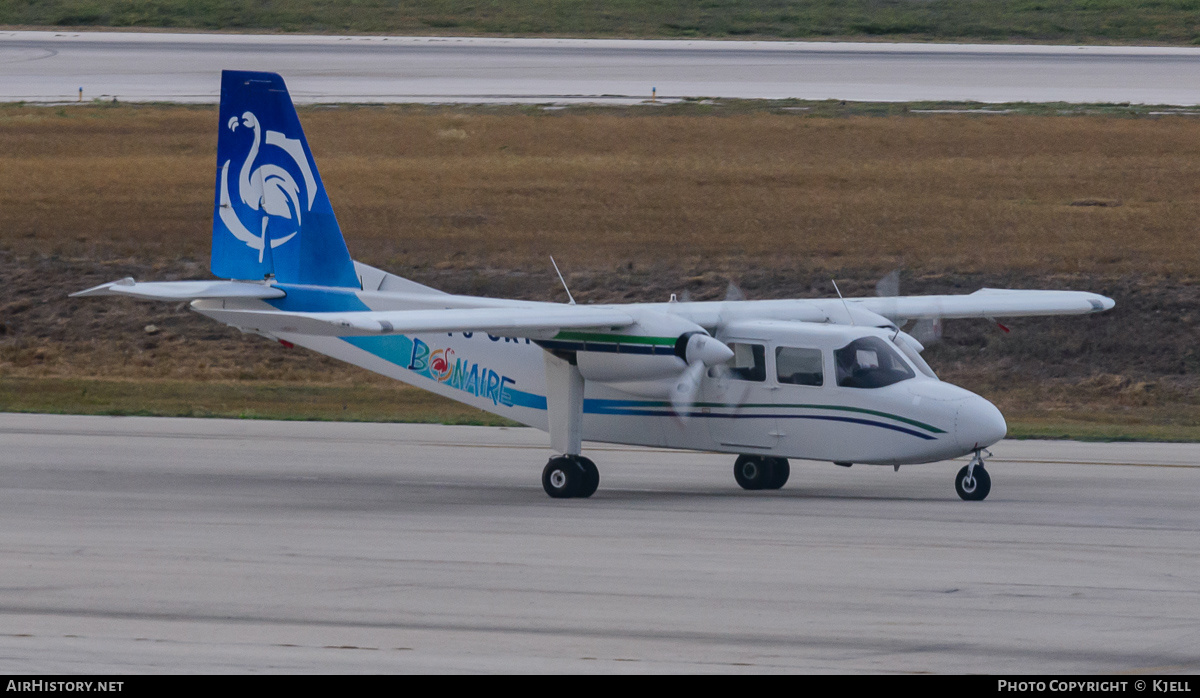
(699, 351)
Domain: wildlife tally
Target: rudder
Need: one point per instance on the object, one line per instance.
(271, 215)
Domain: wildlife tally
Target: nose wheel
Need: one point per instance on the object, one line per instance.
(973, 482)
(565, 477)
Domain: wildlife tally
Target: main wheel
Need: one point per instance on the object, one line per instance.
(976, 488)
(754, 472)
(781, 472)
(563, 477)
(591, 477)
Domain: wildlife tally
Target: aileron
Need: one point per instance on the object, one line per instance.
(988, 303)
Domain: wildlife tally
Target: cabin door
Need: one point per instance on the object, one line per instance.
(737, 400)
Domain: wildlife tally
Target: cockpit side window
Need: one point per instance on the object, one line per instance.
(796, 366)
(749, 362)
(915, 357)
(869, 362)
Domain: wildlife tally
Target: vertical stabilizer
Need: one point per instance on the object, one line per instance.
(271, 214)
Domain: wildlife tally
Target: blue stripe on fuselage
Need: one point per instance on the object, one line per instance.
(602, 407)
(520, 398)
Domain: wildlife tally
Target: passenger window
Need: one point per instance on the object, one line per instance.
(799, 366)
(869, 363)
(749, 362)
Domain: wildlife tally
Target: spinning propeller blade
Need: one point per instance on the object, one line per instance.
(683, 397)
(700, 352)
(927, 331)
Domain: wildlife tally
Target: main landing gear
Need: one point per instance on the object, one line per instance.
(570, 476)
(973, 482)
(761, 472)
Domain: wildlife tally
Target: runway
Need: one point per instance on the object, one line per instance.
(171, 545)
(53, 66)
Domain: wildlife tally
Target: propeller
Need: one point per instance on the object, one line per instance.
(700, 351)
(928, 331)
(688, 385)
(889, 285)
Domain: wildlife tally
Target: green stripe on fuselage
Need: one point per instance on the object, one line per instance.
(898, 418)
(615, 338)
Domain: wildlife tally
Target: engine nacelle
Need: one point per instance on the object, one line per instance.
(658, 347)
(621, 367)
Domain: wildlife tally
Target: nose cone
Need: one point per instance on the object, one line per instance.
(978, 424)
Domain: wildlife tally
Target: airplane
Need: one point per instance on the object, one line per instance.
(833, 379)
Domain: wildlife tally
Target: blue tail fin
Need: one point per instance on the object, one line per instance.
(271, 214)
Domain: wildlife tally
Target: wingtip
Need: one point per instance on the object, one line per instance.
(1102, 303)
(102, 289)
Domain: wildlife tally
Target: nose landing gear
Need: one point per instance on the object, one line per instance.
(973, 482)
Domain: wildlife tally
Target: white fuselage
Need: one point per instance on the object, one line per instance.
(918, 419)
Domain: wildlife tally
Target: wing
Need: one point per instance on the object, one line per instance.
(523, 321)
(987, 303)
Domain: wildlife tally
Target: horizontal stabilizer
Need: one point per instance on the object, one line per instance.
(988, 303)
(519, 321)
(181, 290)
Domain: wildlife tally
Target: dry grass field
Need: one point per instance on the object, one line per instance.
(472, 189)
(634, 203)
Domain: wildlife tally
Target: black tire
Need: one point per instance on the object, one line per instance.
(591, 477)
(780, 475)
(562, 478)
(754, 472)
(975, 491)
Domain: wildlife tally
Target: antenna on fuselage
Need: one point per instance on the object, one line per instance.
(844, 303)
(560, 278)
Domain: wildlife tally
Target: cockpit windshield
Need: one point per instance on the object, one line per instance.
(869, 362)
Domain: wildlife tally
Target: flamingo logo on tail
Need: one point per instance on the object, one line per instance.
(268, 188)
